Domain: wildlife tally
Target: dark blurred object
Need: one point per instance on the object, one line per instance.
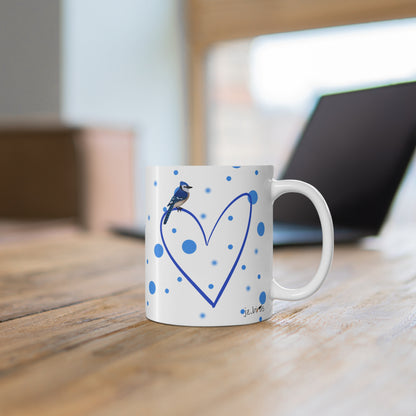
(355, 150)
(67, 172)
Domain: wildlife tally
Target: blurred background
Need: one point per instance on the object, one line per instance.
(92, 92)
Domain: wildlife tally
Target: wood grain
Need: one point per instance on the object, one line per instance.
(349, 349)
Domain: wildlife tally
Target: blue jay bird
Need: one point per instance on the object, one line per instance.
(180, 196)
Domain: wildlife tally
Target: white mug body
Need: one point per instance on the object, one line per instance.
(209, 249)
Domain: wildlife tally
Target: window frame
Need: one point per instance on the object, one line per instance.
(213, 21)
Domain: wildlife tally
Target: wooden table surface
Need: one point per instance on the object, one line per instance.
(74, 339)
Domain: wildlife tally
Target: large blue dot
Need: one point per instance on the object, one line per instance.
(256, 172)
(253, 196)
(262, 297)
(155, 183)
(179, 279)
(203, 215)
(228, 178)
(242, 311)
(260, 229)
(166, 290)
(214, 262)
(230, 218)
(208, 190)
(189, 246)
(175, 172)
(174, 230)
(202, 315)
(230, 246)
(158, 250)
(152, 287)
(211, 286)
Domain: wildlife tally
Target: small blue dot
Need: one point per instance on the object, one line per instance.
(248, 288)
(155, 183)
(256, 172)
(202, 315)
(211, 286)
(260, 319)
(174, 230)
(228, 178)
(260, 229)
(236, 167)
(158, 250)
(214, 262)
(147, 303)
(175, 172)
(262, 297)
(148, 217)
(254, 197)
(203, 216)
(152, 287)
(230, 246)
(179, 279)
(208, 190)
(147, 261)
(243, 266)
(242, 311)
(189, 246)
(166, 290)
(230, 218)
(256, 251)
(164, 209)
(259, 276)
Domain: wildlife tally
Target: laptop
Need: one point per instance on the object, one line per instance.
(354, 149)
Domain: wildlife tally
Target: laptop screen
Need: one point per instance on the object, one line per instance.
(354, 150)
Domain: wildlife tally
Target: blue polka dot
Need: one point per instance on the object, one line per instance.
(243, 266)
(179, 279)
(147, 261)
(211, 286)
(260, 319)
(236, 167)
(256, 172)
(242, 311)
(202, 315)
(174, 230)
(189, 246)
(148, 217)
(253, 195)
(260, 229)
(228, 178)
(214, 262)
(259, 276)
(203, 215)
(152, 287)
(208, 190)
(230, 246)
(147, 303)
(158, 250)
(175, 172)
(166, 290)
(164, 209)
(248, 288)
(155, 183)
(230, 218)
(256, 251)
(262, 297)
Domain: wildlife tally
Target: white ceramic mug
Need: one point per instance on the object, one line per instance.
(209, 247)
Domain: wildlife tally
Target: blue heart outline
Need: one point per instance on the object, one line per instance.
(201, 292)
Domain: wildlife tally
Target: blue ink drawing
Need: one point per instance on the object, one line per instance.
(179, 197)
(163, 220)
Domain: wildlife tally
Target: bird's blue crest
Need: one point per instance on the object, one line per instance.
(183, 184)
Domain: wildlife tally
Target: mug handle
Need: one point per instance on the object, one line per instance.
(285, 186)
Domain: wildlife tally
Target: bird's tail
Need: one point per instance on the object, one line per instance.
(168, 214)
